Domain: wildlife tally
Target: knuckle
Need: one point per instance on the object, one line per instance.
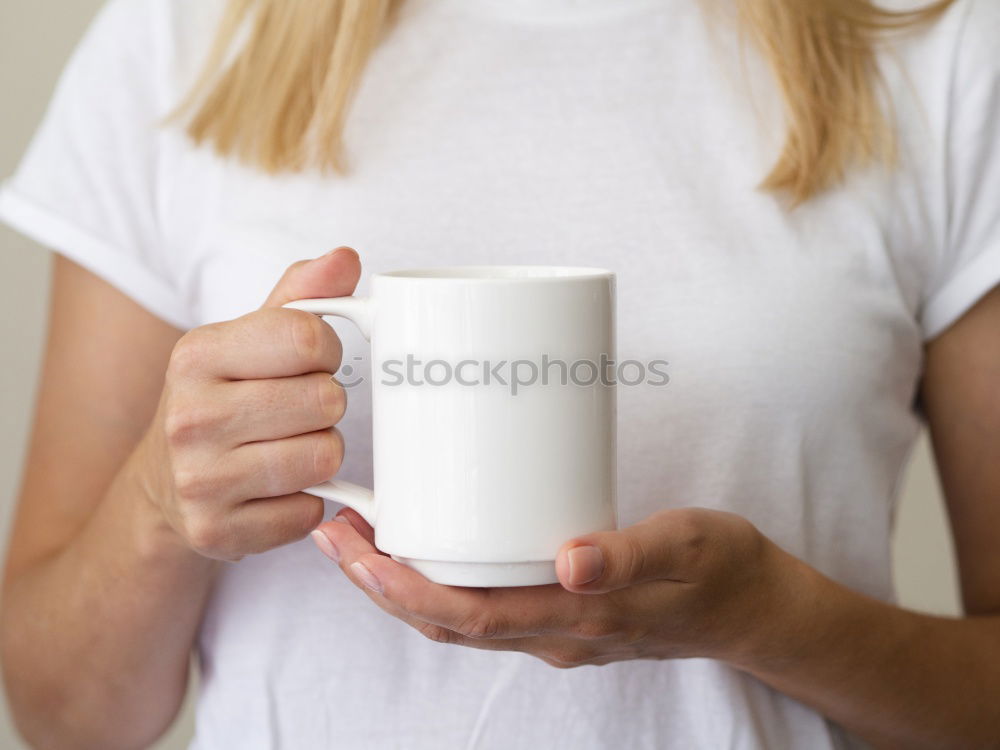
(332, 399)
(566, 657)
(306, 332)
(691, 533)
(603, 661)
(437, 633)
(556, 664)
(747, 527)
(635, 565)
(184, 421)
(328, 452)
(302, 520)
(176, 425)
(737, 539)
(206, 536)
(191, 485)
(186, 356)
(689, 524)
(481, 625)
(313, 517)
(291, 271)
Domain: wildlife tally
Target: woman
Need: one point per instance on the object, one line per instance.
(811, 324)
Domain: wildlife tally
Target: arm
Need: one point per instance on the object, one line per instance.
(154, 456)
(899, 678)
(93, 577)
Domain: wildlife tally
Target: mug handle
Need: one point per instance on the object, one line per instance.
(358, 311)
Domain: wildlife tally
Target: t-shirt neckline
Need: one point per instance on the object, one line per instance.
(552, 11)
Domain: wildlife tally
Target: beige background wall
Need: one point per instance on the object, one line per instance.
(35, 38)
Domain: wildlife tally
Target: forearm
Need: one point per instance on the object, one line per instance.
(97, 638)
(894, 677)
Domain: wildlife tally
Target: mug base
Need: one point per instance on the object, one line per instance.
(483, 574)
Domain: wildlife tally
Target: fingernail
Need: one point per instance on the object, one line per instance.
(343, 519)
(585, 564)
(327, 547)
(367, 577)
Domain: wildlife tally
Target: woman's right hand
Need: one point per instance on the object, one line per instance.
(246, 420)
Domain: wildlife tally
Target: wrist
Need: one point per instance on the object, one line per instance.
(787, 615)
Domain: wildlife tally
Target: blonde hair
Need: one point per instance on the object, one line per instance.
(277, 85)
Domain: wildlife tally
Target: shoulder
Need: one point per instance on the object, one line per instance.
(982, 17)
(947, 69)
(978, 39)
(971, 70)
(161, 42)
(967, 33)
(135, 23)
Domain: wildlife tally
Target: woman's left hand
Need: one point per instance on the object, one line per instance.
(684, 582)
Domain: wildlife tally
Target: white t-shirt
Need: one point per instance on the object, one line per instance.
(629, 135)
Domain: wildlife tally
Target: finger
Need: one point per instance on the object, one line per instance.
(246, 411)
(266, 523)
(279, 467)
(555, 650)
(360, 524)
(335, 274)
(274, 341)
(544, 647)
(472, 612)
(666, 546)
(357, 543)
(270, 343)
(255, 526)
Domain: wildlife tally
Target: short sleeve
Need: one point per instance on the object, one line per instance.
(969, 265)
(87, 185)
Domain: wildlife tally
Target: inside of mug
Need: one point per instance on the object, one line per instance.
(500, 272)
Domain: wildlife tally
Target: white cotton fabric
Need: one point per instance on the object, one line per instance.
(629, 135)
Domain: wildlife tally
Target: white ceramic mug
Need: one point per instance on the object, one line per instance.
(479, 481)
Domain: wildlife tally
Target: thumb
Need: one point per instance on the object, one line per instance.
(335, 274)
(609, 560)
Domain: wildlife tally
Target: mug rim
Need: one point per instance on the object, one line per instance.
(486, 274)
